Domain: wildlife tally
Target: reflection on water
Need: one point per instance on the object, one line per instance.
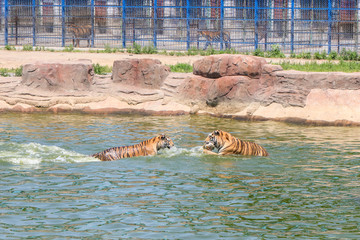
(51, 189)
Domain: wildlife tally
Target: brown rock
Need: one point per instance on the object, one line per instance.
(229, 65)
(58, 76)
(149, 73)
(214, 91)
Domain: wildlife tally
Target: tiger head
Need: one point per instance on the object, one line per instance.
(162, 141)
(216, 139)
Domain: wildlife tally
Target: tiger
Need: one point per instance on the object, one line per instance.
(148, 147)
(80, 32)
(226, 144)
(212, 36)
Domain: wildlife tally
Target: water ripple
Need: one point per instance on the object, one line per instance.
(51, 189)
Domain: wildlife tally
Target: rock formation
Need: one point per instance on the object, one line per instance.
(243, 87)
(145, 73)
(58, 76)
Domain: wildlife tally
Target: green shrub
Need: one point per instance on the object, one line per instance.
(313, 66)
(27, 47)
(4, 72)
(306, 55)
(348, 55)
(101, 70)
(292, 55)
(9, 48)
(321, 55)
(108, 49)
(333, 55)
(193, 51)
(275, 52)
(258, 52)
(18, 71)
(37, 48)
(149, 50)
(69, 48)
(181, 67)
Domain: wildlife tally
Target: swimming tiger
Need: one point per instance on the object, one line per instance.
(145, 148)
(79, 33)
(228, 144)
(212, 36)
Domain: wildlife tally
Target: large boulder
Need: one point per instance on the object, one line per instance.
(213, 91)
(145, 73)
(58, 76)
(216, 66)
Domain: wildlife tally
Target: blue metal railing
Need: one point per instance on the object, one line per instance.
(294, 25)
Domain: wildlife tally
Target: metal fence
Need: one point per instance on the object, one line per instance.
(294, 25)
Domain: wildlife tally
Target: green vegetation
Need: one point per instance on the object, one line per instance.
(69, 48)
(275, 52)
(9, 48)
(313, 66)
(101, 70)
(181, 67)
(27, 47)
(6, 72)
(38, 48)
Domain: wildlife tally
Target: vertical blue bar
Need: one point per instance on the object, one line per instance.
(256, 24)
(63, 23)
(92, 23)
(124, 23)
(187, 24)
(155, 22)
(292, 24)
(329, 24)
(221, 23)
(6, 22)
(34, 21)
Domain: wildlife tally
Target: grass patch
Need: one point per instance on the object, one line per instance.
(181, 67)
(10, 48)
(10, 72)
(342, 66)
(69, 48)
(27, 47)
(101, 70)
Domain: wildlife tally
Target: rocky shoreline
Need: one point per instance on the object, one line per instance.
(232, 86)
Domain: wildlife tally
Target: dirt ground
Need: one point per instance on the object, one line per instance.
(14, 59)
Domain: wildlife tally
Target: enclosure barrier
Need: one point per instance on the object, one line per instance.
(242, 25)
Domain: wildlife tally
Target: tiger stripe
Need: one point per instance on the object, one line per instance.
(215, 36)
(228, 144)
(80, 32)
(145, 148)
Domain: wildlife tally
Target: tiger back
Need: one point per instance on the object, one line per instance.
(215, 36)
(80, 32)
(145, 148)
(228, 144)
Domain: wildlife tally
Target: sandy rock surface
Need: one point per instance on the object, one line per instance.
(241, 87)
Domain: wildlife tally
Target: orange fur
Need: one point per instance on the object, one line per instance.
(145, 148)
(228, 144)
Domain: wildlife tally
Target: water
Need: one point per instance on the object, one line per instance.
(50, 189)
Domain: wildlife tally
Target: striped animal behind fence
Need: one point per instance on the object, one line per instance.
(80, 32)
(215, 36)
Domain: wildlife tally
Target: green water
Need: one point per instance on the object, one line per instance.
(50, 189)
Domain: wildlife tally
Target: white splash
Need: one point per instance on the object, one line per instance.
(35, 153)
(175, 151)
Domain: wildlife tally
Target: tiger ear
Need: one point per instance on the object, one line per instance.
(162, 136)
(217, 132)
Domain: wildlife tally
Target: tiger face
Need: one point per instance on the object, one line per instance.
(163, 142)
(208, 146)
(211, 140)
